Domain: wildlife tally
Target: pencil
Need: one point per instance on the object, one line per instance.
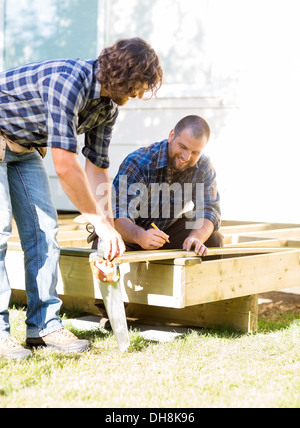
(155, 227)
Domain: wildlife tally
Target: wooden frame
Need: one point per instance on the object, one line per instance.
(176, 286)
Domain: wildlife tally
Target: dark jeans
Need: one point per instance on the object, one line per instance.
(178, 233)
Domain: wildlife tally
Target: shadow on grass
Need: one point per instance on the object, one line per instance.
(91, 335)
(138, 343)
(278, 322)
(282, 322)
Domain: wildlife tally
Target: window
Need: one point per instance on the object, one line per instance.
(37, 30)
(177, 30)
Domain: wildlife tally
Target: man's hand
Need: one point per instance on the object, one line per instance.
(112, 243)
(199, 248)
(152, 239)
(203, 228)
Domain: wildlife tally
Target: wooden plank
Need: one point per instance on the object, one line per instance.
(239, 314)
(237, 233)
(79, 304)
(133, 256)
(175, 283)
(289, 233)
(74, 243)
(138, 256)
(269, 242)
(153, 284)
(228, 223)
(236, 277)
(71, 227)
(177, 286)
(161, 284)
(241, 250)
(72, 234)
(241, 228)
(141, 282)
(265, 243)
(76, 278)
(292, 243)
(147, 256)
(79, 248)
(66, 218)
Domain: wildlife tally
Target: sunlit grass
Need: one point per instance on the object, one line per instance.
(199, 369)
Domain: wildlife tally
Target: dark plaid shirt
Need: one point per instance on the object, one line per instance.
(50, 103)
(146, 190)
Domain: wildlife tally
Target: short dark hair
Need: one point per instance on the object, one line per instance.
(127, 64)
(195, 124)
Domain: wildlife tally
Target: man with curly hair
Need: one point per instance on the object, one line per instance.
(49, 104)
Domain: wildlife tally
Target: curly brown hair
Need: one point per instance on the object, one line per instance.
(128, 65)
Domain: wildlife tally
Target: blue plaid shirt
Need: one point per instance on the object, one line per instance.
(50, 103)
(146, 190)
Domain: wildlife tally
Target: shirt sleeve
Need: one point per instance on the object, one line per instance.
(129, 190)
(211, 197)
(63, 95)
(97, 140)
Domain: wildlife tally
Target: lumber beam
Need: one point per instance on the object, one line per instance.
(176, 285)
(147, 256)
(239, 314)
(182, 283)
(241, 276)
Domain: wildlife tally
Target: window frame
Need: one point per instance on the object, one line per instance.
(167, 91)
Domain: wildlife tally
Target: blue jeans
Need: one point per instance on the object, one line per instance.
(25, 194)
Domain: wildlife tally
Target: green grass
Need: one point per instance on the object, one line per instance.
(207, 369)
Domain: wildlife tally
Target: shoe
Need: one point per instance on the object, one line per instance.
(61, 340)
(105, 324)
(12, 350)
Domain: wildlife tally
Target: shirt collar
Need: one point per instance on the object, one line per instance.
(162, 159)
(95, 93)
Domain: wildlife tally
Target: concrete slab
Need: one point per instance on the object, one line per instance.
(152, 333)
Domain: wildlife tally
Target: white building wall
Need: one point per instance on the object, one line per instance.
(247, 87)
(253, 112)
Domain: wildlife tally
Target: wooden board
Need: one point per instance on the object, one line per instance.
(236, 277)
(185, 281)
(239, 314)
(156, 255)
(178, 286)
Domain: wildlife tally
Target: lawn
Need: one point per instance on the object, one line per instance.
(200, 369)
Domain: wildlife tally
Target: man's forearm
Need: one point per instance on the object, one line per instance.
(150, 239)
(101, 187)
(74, 180)
(75, 184)
(202, 230)
(128, 230)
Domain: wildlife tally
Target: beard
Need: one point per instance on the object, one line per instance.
(175, 164)
(120, 100)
